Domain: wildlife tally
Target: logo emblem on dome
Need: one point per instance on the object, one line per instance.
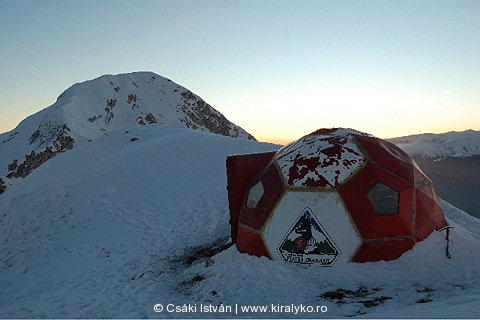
(307, 242)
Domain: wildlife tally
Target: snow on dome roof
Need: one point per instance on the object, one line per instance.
(322, 159)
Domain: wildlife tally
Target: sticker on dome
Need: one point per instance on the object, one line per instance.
(307, 242)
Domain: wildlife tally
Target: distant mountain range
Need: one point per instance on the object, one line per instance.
(451, 144)
(452, 161)
(88, 110)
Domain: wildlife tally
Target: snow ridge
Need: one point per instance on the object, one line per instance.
(450, 144)
(88, 110)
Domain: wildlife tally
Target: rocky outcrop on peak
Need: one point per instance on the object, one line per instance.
(89, 110)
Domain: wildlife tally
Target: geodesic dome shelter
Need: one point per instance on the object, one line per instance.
(335, 195)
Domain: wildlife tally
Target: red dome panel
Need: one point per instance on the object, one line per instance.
(251, 242)
(256, 217)
(380, 249)
(429, 214)
(389, 156)
(370, 224)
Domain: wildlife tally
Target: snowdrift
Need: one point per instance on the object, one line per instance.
(140, 217)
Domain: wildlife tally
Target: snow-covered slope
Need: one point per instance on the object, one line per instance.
(449, 144)
(138, 218)
(88, 110)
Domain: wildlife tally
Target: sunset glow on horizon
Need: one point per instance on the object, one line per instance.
(278, 69)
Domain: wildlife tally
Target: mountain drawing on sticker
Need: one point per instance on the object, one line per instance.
(308, 243)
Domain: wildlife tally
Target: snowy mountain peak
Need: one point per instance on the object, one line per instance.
(112, 102)
(90, 109)
(450, 144)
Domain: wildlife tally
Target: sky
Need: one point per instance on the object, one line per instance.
(279, 69)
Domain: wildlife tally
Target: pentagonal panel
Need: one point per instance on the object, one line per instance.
(428, 214)
(311, 228)
(255, 193)
(371, 225)
(273, 190)
(384, 200)
(319, 161)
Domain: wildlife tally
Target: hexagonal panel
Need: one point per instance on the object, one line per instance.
(273, 190)
(319, 161)
(311, 228)
(371, 225)
(384, 200)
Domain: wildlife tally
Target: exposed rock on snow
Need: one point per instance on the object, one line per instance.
(93, 108)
